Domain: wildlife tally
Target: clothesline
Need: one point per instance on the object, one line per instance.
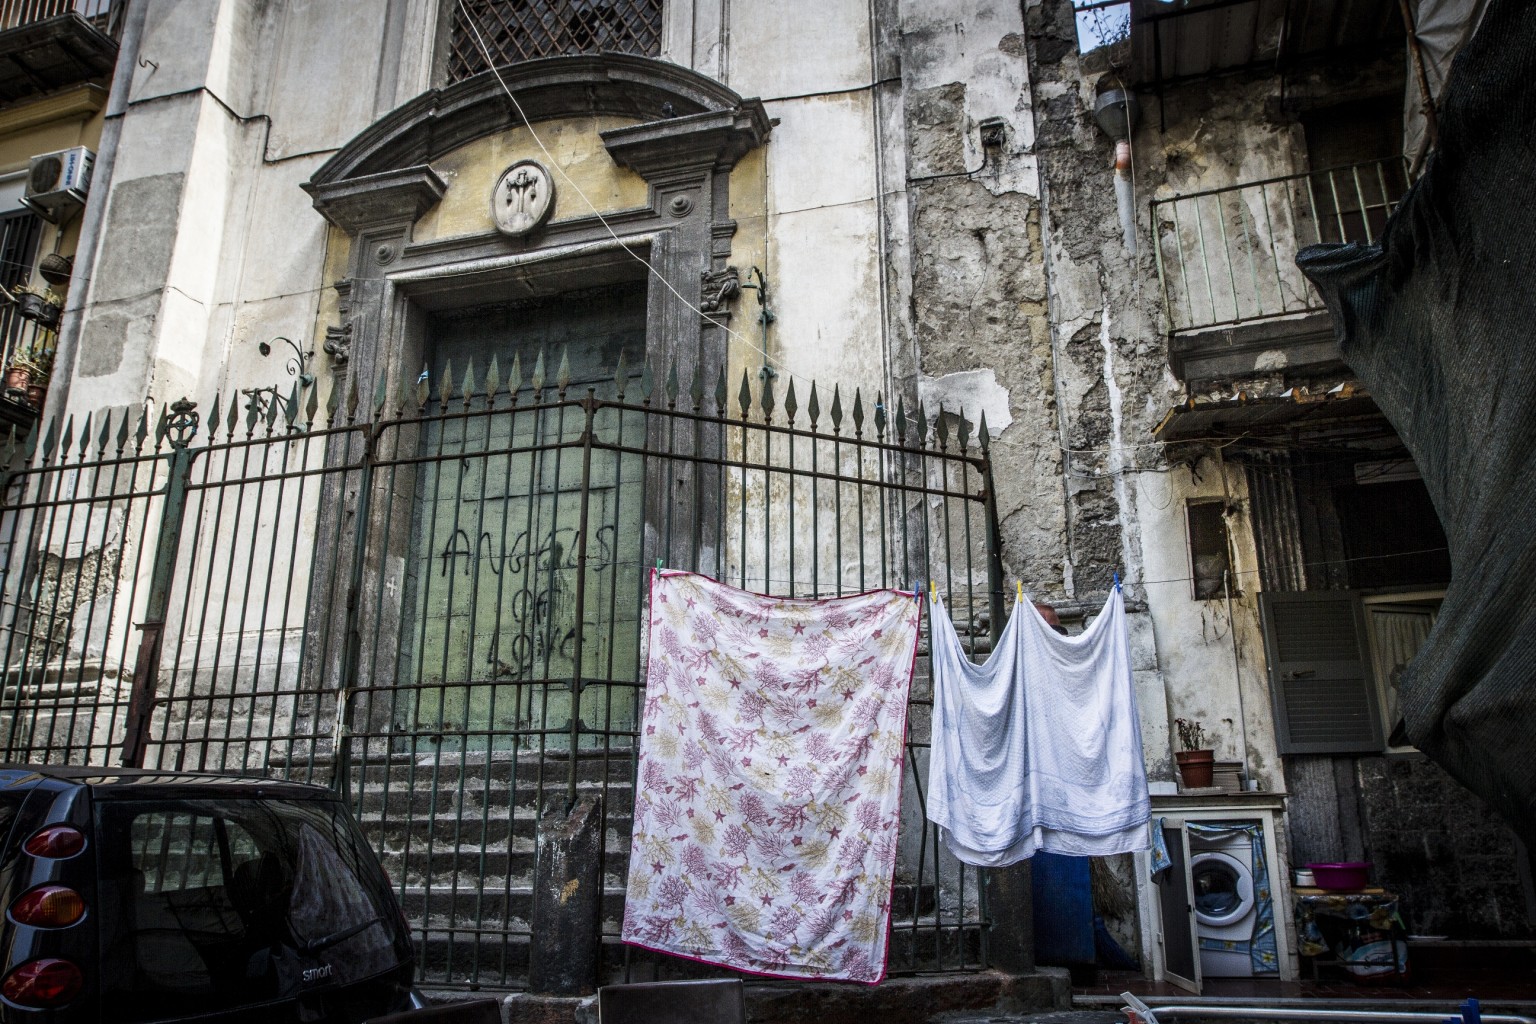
(757, 578)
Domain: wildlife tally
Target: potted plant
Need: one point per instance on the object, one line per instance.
(1196, 761)
(18, 376)
(41, 307)
(29, 372)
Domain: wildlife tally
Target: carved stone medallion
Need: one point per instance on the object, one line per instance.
(523, 199)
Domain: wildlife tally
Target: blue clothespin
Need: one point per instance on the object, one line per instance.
(917, 590)
(1472, 1012)
(1117, 581)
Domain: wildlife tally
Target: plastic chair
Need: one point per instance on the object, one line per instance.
(480, 1011)
(707, 1001)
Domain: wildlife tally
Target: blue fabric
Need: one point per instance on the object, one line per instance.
(1160, 860)
(1261, 946)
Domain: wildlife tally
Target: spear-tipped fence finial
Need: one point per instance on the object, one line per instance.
(492, 381)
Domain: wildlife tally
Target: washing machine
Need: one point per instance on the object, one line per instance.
(1226, 903)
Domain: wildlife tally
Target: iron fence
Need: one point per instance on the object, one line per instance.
(1228, 255)
(432, 598)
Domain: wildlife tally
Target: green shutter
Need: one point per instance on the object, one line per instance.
(1319, 672)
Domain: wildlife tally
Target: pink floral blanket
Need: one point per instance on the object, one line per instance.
(767, 804)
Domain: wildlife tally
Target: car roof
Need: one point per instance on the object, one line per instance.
(145, 781)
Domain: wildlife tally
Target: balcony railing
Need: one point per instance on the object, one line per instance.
(1228, 256)
(16, 13)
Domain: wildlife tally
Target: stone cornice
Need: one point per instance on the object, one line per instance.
(704, 141)
(442, 120)
(398, 196)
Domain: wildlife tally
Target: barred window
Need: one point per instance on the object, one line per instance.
(514, 30)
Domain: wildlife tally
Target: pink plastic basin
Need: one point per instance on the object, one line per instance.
(1347, 875)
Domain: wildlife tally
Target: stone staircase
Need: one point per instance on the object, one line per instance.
(456, 837)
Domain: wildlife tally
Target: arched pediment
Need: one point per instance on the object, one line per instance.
(441, 120)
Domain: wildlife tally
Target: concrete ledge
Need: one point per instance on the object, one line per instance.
(914, 1000)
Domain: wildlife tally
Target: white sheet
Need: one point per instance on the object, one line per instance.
(1040, 747)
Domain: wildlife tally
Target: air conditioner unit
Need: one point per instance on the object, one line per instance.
(57, 183)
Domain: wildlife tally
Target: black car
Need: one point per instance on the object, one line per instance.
(144, 896)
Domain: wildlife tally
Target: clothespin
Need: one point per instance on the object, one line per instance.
(933, 592)
(1117, 581)
(658, 565)
(917, 590)
(1020, 585)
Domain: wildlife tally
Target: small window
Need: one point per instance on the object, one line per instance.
(515, 30)
(1209, 553)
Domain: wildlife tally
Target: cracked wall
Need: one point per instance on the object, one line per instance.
(1124, 499)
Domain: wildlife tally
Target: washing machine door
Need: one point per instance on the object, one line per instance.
(1223, 888)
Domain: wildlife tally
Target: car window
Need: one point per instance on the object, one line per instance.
(222, 903)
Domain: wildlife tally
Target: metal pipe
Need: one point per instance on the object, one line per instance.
(1237, 667)
(1125, 198)
(1288, 1013)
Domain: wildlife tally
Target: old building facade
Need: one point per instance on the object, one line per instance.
(1063, 354)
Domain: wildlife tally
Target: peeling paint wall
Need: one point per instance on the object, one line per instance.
(1125, 502)
(978, 285)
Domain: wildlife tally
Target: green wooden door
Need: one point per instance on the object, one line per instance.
(492, 575)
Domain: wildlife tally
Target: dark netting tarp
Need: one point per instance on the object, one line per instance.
(1439, 322)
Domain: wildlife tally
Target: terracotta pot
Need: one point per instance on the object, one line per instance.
(17, 378)
(1196, 767)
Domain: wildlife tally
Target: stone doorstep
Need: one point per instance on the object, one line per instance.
(921, 999)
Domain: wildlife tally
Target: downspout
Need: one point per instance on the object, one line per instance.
(95, 208)
(1125, 197)
(1116, 111)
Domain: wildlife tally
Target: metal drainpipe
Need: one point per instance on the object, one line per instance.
(95, 208)
(1125, 198)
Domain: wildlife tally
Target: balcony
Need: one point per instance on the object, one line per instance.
(1226, 261)
(46, 45)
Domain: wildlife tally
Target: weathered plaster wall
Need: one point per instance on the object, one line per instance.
(1124, 500)
(978, 292)
(208, 246)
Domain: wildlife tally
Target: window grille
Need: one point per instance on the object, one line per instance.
(514, 30)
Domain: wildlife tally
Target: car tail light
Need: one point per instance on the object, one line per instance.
(48, 906)
(55, 841)
(43, 983)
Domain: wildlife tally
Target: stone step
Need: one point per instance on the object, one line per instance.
(447, 770)
(428, 796)
(510, 905)
(464, 956)
(488, 869)
(491, 832)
